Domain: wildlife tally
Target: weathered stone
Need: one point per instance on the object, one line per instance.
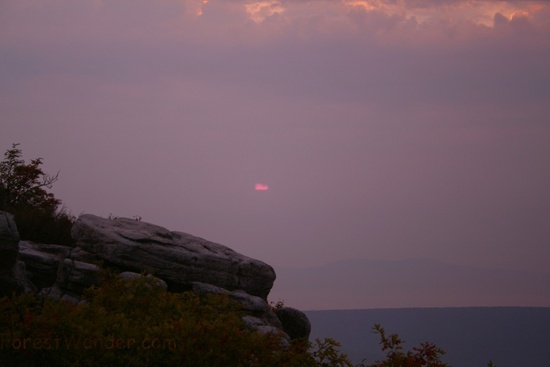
(79, 254)
(295, 322)
(42, 261)
(202, 289)
(258, 307)
(176, 257)
(76, 276)
(259, 316)
(21, 274)
(262, 326)
(9, 248)
(72, 279)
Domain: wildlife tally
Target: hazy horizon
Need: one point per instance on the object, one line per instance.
(296, 132)
(469, 336)
(406, 283)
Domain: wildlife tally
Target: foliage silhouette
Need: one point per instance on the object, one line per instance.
(23, 192)
(427, 355)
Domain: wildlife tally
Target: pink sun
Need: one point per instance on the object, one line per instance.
(261, 187)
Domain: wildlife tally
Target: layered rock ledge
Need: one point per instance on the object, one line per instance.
(176, 257)
(179, 261)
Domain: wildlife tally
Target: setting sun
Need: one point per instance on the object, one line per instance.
(261, 187)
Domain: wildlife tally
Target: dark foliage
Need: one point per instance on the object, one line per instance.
(427, 355)
(137, 323)
(23, 192)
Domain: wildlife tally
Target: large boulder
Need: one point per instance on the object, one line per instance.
(9, 247)
(295, 322)
(178, 258)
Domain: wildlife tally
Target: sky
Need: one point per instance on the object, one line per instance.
(296, 132)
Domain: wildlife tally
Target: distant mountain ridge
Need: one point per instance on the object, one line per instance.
(471, 336)
(367, 283)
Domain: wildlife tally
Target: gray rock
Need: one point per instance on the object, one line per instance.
(176, 257)
(72, 279)
(202, 289)
(247, 301)
(76, 276)
(295, 322)
(258, 315)
(21, 274)
(258, 307)
(78, 254)
(42, 261)
(263, 327)
(9, 247)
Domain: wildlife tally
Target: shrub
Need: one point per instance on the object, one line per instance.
(38, 213)
(326, 354)
(427, 355)
(137, 323)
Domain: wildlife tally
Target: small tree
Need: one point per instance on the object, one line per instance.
(23, 193)
(22, 185)
(427, 355)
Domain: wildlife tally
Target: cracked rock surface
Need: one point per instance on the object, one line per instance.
(176, 257)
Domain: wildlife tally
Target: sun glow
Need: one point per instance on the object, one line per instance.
(260, 10)
(199, 11)
(519, 14)
(367, 5)
(478, 12)
(261, 187)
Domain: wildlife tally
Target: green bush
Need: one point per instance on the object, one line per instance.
(427, 355)
(38, 214)
(137, 323)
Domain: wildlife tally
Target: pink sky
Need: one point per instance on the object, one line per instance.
(384, 129)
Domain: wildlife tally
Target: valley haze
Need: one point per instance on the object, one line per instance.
(470, 336)
(362, 284)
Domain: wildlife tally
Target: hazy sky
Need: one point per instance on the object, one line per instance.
(383, 129)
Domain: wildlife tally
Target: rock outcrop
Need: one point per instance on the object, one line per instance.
(176, 257)
(179, 262)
